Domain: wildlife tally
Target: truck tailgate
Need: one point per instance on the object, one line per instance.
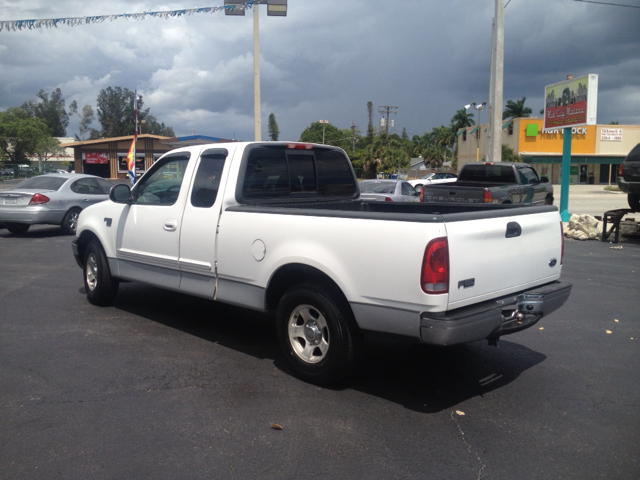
(498, 256)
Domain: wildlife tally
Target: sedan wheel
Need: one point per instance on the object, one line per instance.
(18, 228)
(70, 222)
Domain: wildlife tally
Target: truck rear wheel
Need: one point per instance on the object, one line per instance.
(634, 201)
(101, 287)
(317, 333)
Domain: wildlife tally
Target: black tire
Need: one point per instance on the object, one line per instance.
(101, 287)
(18, 228)
(70, 221)
(634, 201)
(548, 200)
(317, 333)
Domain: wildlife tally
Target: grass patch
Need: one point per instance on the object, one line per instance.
(612, 188)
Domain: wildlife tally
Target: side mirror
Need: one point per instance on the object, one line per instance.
(544, 180)
(120, 193)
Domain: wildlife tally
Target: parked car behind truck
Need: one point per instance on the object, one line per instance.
(503, 182)
(280, 227)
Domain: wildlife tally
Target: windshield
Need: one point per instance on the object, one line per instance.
(378, 187)
(41, 183)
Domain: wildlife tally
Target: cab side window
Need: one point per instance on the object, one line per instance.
(162, 186)
(207, 181)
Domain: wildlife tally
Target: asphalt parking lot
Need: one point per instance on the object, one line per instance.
(164, 385)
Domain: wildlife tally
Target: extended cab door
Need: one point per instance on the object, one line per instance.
(534, 191)
(200, 223)
(148, 238)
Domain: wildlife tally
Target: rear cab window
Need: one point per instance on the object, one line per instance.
(281, 173)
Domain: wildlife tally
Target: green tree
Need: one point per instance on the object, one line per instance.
(50, 109)
(516, 109)
(153, 127)
(370, 131)
(385, 155)
(614, 123)
(463, 119)
(46, 148)
(21, 135)
(509, 154)
(86, 119)
(314, 133)
(116, 113)
(274, 131)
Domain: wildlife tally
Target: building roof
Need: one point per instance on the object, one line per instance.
(190, 140)
(112, 139)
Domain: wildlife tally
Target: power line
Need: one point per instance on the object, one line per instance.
(606, 3)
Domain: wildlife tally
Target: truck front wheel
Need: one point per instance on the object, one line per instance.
(317, 333)
(101, 287)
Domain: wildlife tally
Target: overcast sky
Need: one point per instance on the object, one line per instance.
(325, 60)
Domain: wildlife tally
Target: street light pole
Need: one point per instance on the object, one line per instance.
(275, 8)
(324, 123)
(479, 108)
(257, 122)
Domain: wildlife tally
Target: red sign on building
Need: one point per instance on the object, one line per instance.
(96, 158)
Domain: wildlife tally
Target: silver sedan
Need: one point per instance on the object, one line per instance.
(388, 191)
(55, 199)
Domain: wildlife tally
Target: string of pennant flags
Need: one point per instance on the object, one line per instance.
(14, 25)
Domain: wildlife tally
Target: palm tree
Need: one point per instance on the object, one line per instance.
(516, 109)
(463, 119)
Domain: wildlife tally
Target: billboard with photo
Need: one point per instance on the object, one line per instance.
(571, 103)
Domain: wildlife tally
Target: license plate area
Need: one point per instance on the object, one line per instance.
(10, 201)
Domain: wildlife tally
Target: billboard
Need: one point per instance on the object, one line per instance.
(571, 103)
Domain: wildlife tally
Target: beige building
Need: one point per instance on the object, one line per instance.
(596, 150)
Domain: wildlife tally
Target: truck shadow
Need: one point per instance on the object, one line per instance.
(418, 377)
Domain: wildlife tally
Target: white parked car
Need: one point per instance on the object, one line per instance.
(433, 178)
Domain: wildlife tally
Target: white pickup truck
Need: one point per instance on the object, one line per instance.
(279, 227)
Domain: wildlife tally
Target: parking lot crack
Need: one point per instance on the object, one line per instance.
(470, 450)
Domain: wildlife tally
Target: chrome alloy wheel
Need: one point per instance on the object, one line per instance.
(91, 271)
(72, 222)
(308, 333)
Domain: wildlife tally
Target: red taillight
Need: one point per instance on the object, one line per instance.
(435, 267)
(422, 194)
(620, 172)
(39, 199)
(300, 146)
(487, 196)
(562, 235)
(387, 199)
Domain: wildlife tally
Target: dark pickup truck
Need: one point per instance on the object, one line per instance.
(503, 182)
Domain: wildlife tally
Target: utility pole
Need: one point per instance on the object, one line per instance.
(354, 127)
(496, 86)
(385, 111)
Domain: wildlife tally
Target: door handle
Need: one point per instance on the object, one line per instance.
(170, 225)
(513, 230)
